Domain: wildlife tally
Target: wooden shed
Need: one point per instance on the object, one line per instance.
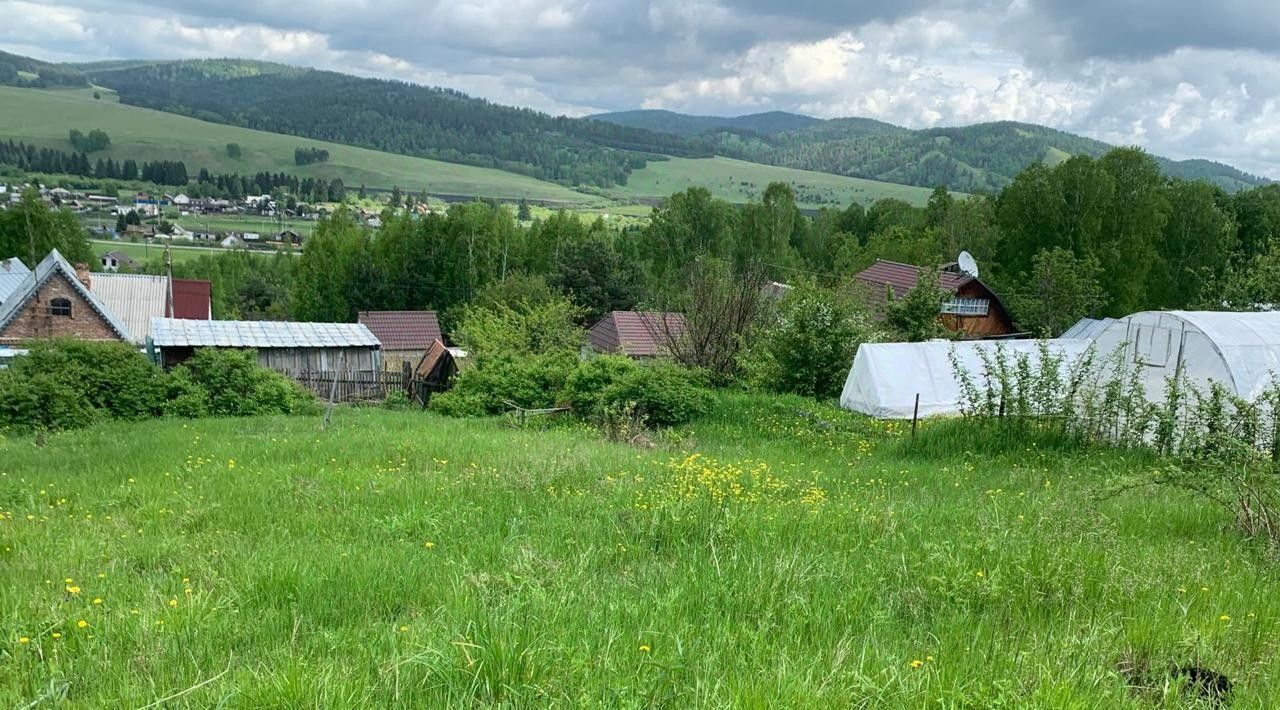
(292, 348)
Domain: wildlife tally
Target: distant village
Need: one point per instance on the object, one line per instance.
(256, 221)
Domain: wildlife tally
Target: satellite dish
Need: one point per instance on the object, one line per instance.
(967, 264)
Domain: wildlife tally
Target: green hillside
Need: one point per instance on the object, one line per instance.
(45, 117)
(741, 181)
(682, 124)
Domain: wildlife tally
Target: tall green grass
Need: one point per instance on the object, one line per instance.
(778, 553)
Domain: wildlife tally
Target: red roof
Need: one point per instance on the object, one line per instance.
(884, 275)
(403, 330)
(192, 299)
(635, 333)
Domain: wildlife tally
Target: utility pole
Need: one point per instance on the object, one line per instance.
(168, 276)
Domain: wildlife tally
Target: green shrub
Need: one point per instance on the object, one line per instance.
(532, 382)
(42, 402)
(584, 389)
(238, 387)
(663, 394)
(113, 377)
(397, 400)
(186, 398)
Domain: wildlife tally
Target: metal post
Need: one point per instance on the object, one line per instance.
(915, 416)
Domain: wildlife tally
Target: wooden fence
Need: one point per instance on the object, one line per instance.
(366, 386)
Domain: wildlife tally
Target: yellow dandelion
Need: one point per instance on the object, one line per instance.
(981, 573)
(97, 600)
(928, 658)
(103, 575)
(428, 544)
(56, 635)
(24, 639)
(404, 629)
(916, 663)
(72, 589)
(173, 602)
(68, 580)
(1224, 617)
(82, 623)
(644, 648)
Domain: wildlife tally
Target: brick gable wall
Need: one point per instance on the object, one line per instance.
(35, 322)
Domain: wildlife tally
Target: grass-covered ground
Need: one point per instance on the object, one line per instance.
(777, 554)
(45, 117)
(741, 181)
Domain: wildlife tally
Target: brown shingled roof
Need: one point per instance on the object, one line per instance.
(403, 330)
(635, 333)
(885, 275)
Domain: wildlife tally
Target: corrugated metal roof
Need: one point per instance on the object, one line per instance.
(134, 298)
(52, 264)
(403, 330)
(1087, 328)
(178, 332)
(12, 272)
(192, 298)
(635, 333)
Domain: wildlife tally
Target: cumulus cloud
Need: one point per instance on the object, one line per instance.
(1179, 77)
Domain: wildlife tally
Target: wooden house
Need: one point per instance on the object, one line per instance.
(406, 336)
(970, 308)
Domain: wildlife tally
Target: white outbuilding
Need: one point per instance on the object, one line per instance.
(1239, 350)
(886, 377)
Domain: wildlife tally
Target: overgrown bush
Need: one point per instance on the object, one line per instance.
(112, 377)
(808, 345)
(492, 386)
(664, 394)
(67, 384)
(657, 393)
(237, 386)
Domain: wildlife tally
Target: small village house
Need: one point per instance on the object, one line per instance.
(192, 299)
(636, 334)
(51, 301)
(406, 336)
(116, 260)
(971, 309)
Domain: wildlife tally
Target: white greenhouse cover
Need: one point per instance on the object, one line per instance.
(1240, 350)
(886, 377)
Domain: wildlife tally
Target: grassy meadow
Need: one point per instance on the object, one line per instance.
(45, 117)
(742, 181)
(777, 554)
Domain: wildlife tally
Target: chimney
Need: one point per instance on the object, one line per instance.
(82, 273)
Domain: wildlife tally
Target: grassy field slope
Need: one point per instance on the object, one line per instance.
(45, 117)
(778, 554)
(740, 181)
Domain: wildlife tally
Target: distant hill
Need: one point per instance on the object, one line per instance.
(599, 152)
(979, 158)
(23, 71)
(394, 116)
(681, 124)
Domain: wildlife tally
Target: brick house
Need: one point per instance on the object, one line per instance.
(54, 301)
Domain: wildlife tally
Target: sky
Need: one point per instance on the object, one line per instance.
(1181, 78)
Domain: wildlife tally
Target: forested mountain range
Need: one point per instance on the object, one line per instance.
(599, 151)
(979, 158)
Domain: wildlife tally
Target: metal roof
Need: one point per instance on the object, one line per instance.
(403, 330)
(1087, 328)
(12, 272)
(178, 332)
(134, 298)
(902, 278)
(635, 333)
(30, 284)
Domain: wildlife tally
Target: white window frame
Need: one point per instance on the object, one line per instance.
(967, 306)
